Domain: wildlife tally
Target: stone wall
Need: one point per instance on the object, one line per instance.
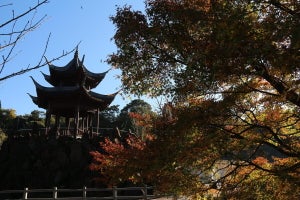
(37, 162)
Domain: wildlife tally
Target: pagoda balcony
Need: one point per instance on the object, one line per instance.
(54, 132)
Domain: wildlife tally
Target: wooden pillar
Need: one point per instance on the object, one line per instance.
(90, 125)
(91, 122)
(87, 122)
(76, 121)
(67, 125)
(84, 190)
(97, 120)
(82, 123)
(47, 121)
(115, 193)
(57, 124)
(25, 194)
(55, 190)
(145, 192)
(91, 119)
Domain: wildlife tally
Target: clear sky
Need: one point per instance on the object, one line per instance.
(69, 22)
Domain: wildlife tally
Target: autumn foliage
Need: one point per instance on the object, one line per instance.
(231, 69)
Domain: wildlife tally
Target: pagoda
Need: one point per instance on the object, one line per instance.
(71, 97)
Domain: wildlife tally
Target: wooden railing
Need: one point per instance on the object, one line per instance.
(62, 131)
(84, 193)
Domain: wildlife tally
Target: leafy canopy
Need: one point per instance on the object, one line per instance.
(232, 68)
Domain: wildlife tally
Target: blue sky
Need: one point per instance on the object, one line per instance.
(69, 22)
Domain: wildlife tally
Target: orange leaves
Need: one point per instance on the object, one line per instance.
(125, 160)
(261, 161)
(109, 157)
(285, 164)
(135, 143)
(118, 161)
(141, 119)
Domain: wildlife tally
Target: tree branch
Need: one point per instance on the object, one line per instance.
(23, 14)
(280, 6)
(16, 35)
(282, 89)
(39, 65)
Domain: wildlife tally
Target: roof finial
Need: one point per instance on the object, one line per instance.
(76, 52)
(82, 60)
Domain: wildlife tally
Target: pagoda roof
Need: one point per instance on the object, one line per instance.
(72, 73)
(65, 99)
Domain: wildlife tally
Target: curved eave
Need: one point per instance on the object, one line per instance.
(71, 67)
(93, 79)
(103, 100)
(66, 77)
(51, 91)
(73, 64)
(49, 79)
(39, 102)
(34, 99)
(37, 85)
(70, 97)
(74, 70)
(54, 68)
(95, 76)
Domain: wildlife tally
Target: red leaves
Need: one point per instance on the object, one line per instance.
(141, 119)
(118, 160)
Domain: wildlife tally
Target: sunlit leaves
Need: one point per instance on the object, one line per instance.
(232, 69)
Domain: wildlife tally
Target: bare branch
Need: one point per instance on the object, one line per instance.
(9, 4)
(39, 65)
(23, 14)
(16, 34)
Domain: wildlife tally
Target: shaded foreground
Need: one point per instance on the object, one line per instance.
(38, 162)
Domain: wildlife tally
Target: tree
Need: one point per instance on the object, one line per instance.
(127, 117)
(6, 118)
(14, 29)
(232, 68)
(36, 115)
(108, 117)
(3, 137)
(33, 120)
(107, 121)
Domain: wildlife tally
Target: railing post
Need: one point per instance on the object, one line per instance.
(55, 193)
(84, 192)
(25, 194)
(145, 193)
(115, 193)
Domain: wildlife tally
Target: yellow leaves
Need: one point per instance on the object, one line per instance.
(283, 163)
